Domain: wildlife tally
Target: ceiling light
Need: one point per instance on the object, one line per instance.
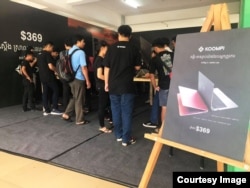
(73, 1)
(80, 1)
(131, 3)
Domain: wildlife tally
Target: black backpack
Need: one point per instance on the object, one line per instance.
(64, 67)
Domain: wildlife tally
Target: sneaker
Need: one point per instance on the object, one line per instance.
(46, 113)
(130, 142)
(56, 112)
(149, 125)
(119, 139)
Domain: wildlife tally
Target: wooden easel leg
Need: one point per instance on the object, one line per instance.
(152, 161)
(220, 167)
(151, 164)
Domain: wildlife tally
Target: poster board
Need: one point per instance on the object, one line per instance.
(240, 159)
(209, 94)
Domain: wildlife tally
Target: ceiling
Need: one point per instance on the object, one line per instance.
(150, 14)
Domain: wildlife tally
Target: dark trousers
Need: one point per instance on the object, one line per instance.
(103, 105)
(45, 95)
(66, 93)
(28, 95)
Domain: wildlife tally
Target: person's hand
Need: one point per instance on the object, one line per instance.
(147, 75)
(106, 88)
(30, 80)
(157, 88)
(88, 84)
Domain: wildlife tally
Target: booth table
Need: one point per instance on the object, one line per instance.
(151, 89)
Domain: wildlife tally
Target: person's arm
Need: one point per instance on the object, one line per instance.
(100, 73)
(24, 72)
(153, 82)
(53, 68)
(32, 64)
(106, 78)
(86, 76)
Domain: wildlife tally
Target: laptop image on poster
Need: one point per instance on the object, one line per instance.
(191, 101)
(213, 97)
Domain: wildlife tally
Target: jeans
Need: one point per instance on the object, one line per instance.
(154, 115)
(122, 109)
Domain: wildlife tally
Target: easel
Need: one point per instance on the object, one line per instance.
(217, 16)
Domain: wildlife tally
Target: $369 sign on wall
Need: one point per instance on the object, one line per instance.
(29, 36)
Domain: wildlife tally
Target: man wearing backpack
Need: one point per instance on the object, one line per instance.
(66, 93)
(79, 84)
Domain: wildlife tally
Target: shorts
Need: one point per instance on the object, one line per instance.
(163, 97)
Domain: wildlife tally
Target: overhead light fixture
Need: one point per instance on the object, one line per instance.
(73, 1)
(29, 3)
(80, 1)
(132, 3)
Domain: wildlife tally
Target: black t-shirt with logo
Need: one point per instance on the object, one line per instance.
(162, 63)
(121, 58)
(43, 59)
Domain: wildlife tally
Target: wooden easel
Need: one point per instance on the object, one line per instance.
(219, 18)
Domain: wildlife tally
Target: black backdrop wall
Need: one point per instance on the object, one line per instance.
(22, 26)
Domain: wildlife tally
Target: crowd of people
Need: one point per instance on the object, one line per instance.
(114, 69)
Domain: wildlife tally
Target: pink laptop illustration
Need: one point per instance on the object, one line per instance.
(191, 101)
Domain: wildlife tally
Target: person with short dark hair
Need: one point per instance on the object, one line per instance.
(154, 115)
(120, 63)
(103, 96)
(162, 62)
(79, 84)
(66, 93)
(47, 73)
(29, 87)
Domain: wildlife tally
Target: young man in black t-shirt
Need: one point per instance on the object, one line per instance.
(47, 74)
(28, 83)
(162, 62)
(121, 61)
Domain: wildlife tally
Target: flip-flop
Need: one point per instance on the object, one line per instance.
(105, 130)
(83, 122)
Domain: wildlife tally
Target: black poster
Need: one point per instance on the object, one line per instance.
(208, 103)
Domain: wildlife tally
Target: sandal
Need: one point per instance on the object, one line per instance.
(82, 122)
(66, 118)
(105, 130)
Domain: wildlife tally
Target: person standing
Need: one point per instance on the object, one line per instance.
(121, 61)
(154, 115)
(79, 84)
(103, 96)
(66, 93)
(28, 82)
(155, 109)
(47, 74)
(162, 62)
